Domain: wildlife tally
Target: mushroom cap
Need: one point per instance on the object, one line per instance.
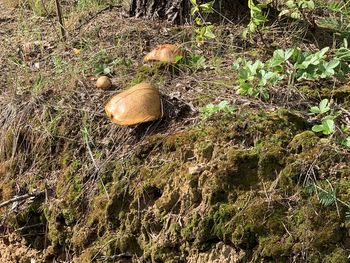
(140, 103)
(164, 53)
(103, 82)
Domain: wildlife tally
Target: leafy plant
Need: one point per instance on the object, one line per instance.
(326, 126)
(346, 142)
(294, 8)
(280, 56)
(205, 29)
(322, 108)
(312, 66)
(122, 61)
(102, 69)
(327, 197)
(193, 60)
(211, 109)
(59, 64)
(101, 63)
(254, 78)
(257, 18)
(343, 52)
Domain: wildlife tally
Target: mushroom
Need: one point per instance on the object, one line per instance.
(140, 103)
(164, 53)
(103, 82)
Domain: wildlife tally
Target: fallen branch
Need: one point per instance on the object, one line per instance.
(21, 198)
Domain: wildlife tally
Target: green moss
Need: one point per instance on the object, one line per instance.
(240, 170)
(270, 162)
(276, 247)
(304, 141)
(128, 243)
(168, 201)
(342, 94)
(290, 174)
(57, 232)
(316, 92)
(338, 255)
(7, 188)
(277, 127)
(248, 194)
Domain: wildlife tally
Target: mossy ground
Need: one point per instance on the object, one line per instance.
(167, 191)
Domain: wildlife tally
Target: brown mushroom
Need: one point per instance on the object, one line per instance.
(103, 82)
(164, 53)
(140, 103)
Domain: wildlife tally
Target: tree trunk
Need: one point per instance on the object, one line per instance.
(178, 11)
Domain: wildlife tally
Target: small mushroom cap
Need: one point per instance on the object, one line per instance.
(103, 82)
(140, 103)
(164, 53)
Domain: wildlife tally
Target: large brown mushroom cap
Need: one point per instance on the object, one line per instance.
(164, 53)
(140, 103)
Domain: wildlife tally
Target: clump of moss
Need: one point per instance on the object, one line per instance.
(338, 255)
(304, 141)
(270, 162)
(7, 188)
(58, 232)
(241, 197)
(240, 170)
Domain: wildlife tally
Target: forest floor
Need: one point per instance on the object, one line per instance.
(222, 177)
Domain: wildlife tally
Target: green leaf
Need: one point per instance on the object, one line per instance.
(208, 32)
(315, 109)
(277, 58)
(329, 126)
(346, 142)
(326, 127)
(296, 14)
(291, 4)
(317, 128)
(178, 58)
(207, 7)
(211, 109)
(237, 64)
(324, 106)
(327, 68)
(107, 70)
(327, 198)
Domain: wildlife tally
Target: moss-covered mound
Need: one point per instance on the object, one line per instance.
(250, 181)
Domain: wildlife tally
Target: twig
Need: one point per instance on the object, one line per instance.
(60, 19)
(28, 227)
(21, 198)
